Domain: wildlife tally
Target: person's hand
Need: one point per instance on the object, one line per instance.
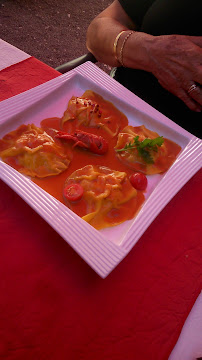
(176, 61)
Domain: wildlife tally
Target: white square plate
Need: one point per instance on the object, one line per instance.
(104, 249)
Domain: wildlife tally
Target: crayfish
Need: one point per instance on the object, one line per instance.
(94, 143)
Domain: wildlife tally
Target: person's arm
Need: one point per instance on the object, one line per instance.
(103, 31)
(175, 60)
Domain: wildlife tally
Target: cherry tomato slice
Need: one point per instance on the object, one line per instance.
(73, 192)
(138, 181)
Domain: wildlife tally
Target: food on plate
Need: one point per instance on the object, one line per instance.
(33, 152)
(91, 110)
(144, 150)
(73, 192)
(81, 148)
(108, 198)
(94, 143)
(138, 181)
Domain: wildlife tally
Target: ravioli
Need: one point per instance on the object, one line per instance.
(31, 151)
(159, 158)
(91, 110)
(108, 200)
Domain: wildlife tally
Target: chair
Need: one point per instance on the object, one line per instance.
(78, 61)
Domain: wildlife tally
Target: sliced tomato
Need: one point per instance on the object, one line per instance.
(73, 192)
(138, 181)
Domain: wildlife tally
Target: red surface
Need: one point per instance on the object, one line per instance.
(30, 73)
(54, 306)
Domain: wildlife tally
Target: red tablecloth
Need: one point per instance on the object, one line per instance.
(54, 306)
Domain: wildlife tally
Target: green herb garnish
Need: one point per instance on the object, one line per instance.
(144, 147)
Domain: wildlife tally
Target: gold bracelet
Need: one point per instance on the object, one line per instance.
(116, 43)
(122, 47)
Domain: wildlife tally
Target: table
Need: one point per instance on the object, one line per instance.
(54, 306)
